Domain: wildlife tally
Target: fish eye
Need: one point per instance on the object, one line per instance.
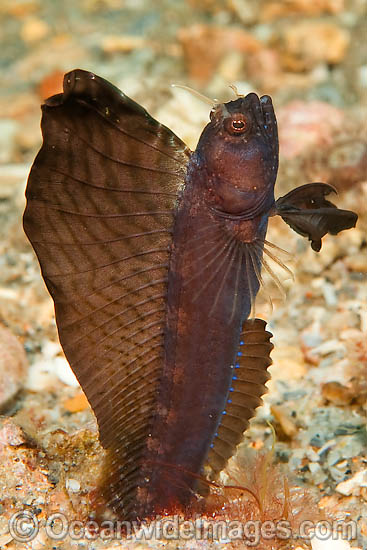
(236, 125)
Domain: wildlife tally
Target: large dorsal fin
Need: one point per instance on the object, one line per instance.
(101, 200)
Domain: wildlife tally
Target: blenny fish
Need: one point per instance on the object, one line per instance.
(153, 257)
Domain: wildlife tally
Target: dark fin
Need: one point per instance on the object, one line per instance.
(101, 198)
(248, 385)
(307, 212)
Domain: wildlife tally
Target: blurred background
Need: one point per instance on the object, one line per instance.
(291, 49)
(311, 57)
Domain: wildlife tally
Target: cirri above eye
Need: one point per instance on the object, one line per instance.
(237, 124)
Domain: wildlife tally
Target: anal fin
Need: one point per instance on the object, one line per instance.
(248, 385)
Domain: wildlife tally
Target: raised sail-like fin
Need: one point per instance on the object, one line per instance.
(101, 201)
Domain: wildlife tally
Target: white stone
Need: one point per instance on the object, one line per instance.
(72, 485)
(314, 467)
(40, 377)
(64, 372)
(51, 349)
(329, 293)
(5, 540)
(45, 372)
(329, 544)
(331, 346)
(352, 486)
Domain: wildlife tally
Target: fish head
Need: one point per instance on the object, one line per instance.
(238, 150)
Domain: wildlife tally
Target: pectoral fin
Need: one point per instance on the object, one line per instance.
(307, 212)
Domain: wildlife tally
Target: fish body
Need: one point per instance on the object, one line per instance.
(153, 255)
(210, 284)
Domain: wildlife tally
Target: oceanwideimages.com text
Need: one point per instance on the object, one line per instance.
(25, 526)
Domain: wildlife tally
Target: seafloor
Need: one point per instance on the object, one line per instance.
(311, 58)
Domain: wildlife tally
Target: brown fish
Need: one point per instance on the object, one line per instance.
(153, 258)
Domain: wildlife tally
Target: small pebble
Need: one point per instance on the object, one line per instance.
(64, 372)
(312, 455)
(204, 47)
(317, 473)
(288, 363)
(13, 365)
(33, 30)
(336, 393)
(51, 84)
(311, 339)
(77, 403)
(347, 162)
(51, 349)
(357, 262)
(72, 485)
(287, 425)
(274, 9)
(304, 125)
(122, 44)
(329, 544)
(329, 44)
(339, 471)
(353, 485)
(5, 540)
(40, 377)
(10, 433)
(329, 293)
(331, 346)
(8, 131)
